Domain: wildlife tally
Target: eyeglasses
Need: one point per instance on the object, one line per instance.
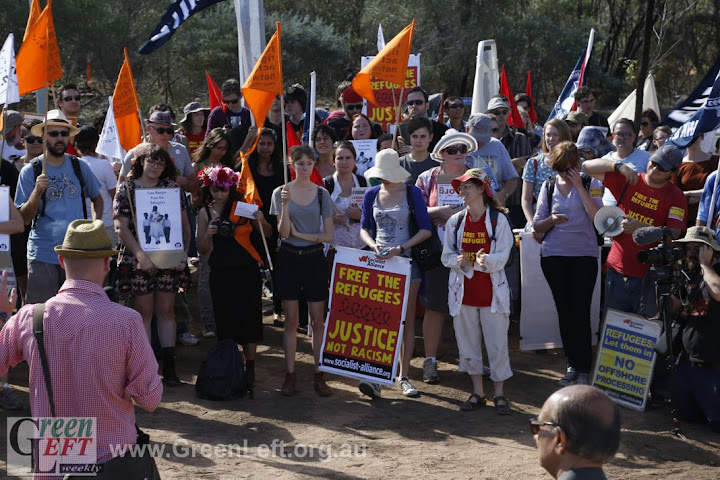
(410, 103)
(535, 425)
(31, 140)
(660, 167)
(456, 149)
(354, 106)
(454, 106)
(69, 98)
(644, 124)
(623, 134)
(59, 133)
(155, 163)
(501, 111)
(162, 130)
(231, 102)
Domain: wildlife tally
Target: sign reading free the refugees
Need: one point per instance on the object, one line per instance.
(363, 332)
(625, 358)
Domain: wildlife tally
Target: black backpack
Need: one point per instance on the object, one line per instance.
(221, 375)
(493, 223)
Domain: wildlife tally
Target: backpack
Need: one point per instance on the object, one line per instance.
(586, 180)
(493, 223)
(75, 162)
(221, 375)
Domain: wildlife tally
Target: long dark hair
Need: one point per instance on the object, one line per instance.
(151, 151)
(216, 135)
(276, 162)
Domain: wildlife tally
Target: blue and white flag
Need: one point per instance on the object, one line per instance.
(566, 100)
(705, 119)
(686, 108)
(175, 15)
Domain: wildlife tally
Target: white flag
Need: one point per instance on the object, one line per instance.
(381, 38)
(109, 143)
(9, 92)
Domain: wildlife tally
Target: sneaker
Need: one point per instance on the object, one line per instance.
(302, 329)
(278, 320)
(209, 332)
(407, 388)
(187, 339)
(8, 400)
(372, 390)
(430, 371)
(486, 372)
(570, 376)
(582, 379)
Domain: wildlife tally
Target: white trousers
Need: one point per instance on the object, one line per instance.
(472, 325)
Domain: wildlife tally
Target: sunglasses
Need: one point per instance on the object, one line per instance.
(69, 98)
(456, 149)
(454, 106)
(231, 102)
(354, 106)
(410, 103)
(162, 130)
(659, 167)
(644, 124)
(535, 425)
(59, 133)
(502, 111)
(31, 140)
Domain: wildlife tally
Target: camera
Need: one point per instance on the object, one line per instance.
(226, 228)
(661, 255)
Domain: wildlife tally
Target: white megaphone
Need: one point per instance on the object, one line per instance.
(608, 221)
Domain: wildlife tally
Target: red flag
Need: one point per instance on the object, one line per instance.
(528, 92)
(213, 91)
(514, 120)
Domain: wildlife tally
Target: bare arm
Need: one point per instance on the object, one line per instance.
(507, 190)
(205, 232)
(712, 280)
(29, 209)
(284, 222)
(128, 239)
(16, 224)
(97, 202)
(526, 200)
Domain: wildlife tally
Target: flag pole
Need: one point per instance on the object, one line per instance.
(142, 125)
(47, 87)
(4, 131)
(397, 106)
(284, 138)
(267, 250)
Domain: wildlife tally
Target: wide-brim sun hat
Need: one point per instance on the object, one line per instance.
(55, 118)
(387, 167)
(477, 175)
(704, 235)
(86, 239)
(453, 137)
(193, 107)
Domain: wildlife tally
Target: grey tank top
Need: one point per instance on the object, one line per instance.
(393, 224)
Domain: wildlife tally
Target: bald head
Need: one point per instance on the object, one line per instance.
(590, 420)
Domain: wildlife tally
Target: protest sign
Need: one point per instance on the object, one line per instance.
(446, 195)
(366, 315)
(159, 225)
(384, 113)
(5, 257)
(366, 150)
(625, 358)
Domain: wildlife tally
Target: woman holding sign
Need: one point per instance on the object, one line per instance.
(152, 289)
(386, 230)
(305, 222)
(340, 185)
(442, 202)
(234, 263)
(477, 245)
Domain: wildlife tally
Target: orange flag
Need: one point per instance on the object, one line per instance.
(32, 17)
(125, 106)
(265, 81)
(38, 61)
(250, 195)
(390, 64)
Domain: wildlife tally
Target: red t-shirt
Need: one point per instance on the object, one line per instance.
(655, 207)
(194, 141)
(478, 289)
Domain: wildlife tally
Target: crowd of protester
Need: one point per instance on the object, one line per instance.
(549, 180)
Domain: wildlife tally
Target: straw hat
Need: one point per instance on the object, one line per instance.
(387, 167)
(453, 137)
(704, 235)
(55, 118)
(86, 239)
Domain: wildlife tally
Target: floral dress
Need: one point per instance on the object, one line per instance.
(131, 282)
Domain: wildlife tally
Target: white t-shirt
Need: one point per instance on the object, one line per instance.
(108, 181)
(10, 153)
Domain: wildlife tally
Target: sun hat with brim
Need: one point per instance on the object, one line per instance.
(577, 117)
(496, 102)
(479, 126)
(453, 137)
(387, 167)
(161, 118)
(669, 157)
(191, 108)
(86, 239)
(704, 235)
(477, 175)
(55, 118)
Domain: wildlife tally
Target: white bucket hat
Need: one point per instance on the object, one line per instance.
(387, 167)
(453, 137)
(55, 118)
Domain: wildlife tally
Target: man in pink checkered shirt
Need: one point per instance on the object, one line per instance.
(99, 358)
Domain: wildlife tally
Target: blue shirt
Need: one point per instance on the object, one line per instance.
(704, 207)
(493, 157)
(62, 205)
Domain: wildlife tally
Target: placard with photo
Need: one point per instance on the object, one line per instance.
(366, 151)
(159, 225)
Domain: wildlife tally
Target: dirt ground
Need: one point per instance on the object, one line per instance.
(349, 436)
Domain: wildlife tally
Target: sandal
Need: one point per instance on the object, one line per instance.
(502, 405)
(469, 405)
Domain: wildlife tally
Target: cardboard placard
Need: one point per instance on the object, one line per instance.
(366, 151)
(158, 218)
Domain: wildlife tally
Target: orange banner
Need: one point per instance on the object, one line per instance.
(126, 107)
(38, 61)
(389, 64)
(32, 17)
